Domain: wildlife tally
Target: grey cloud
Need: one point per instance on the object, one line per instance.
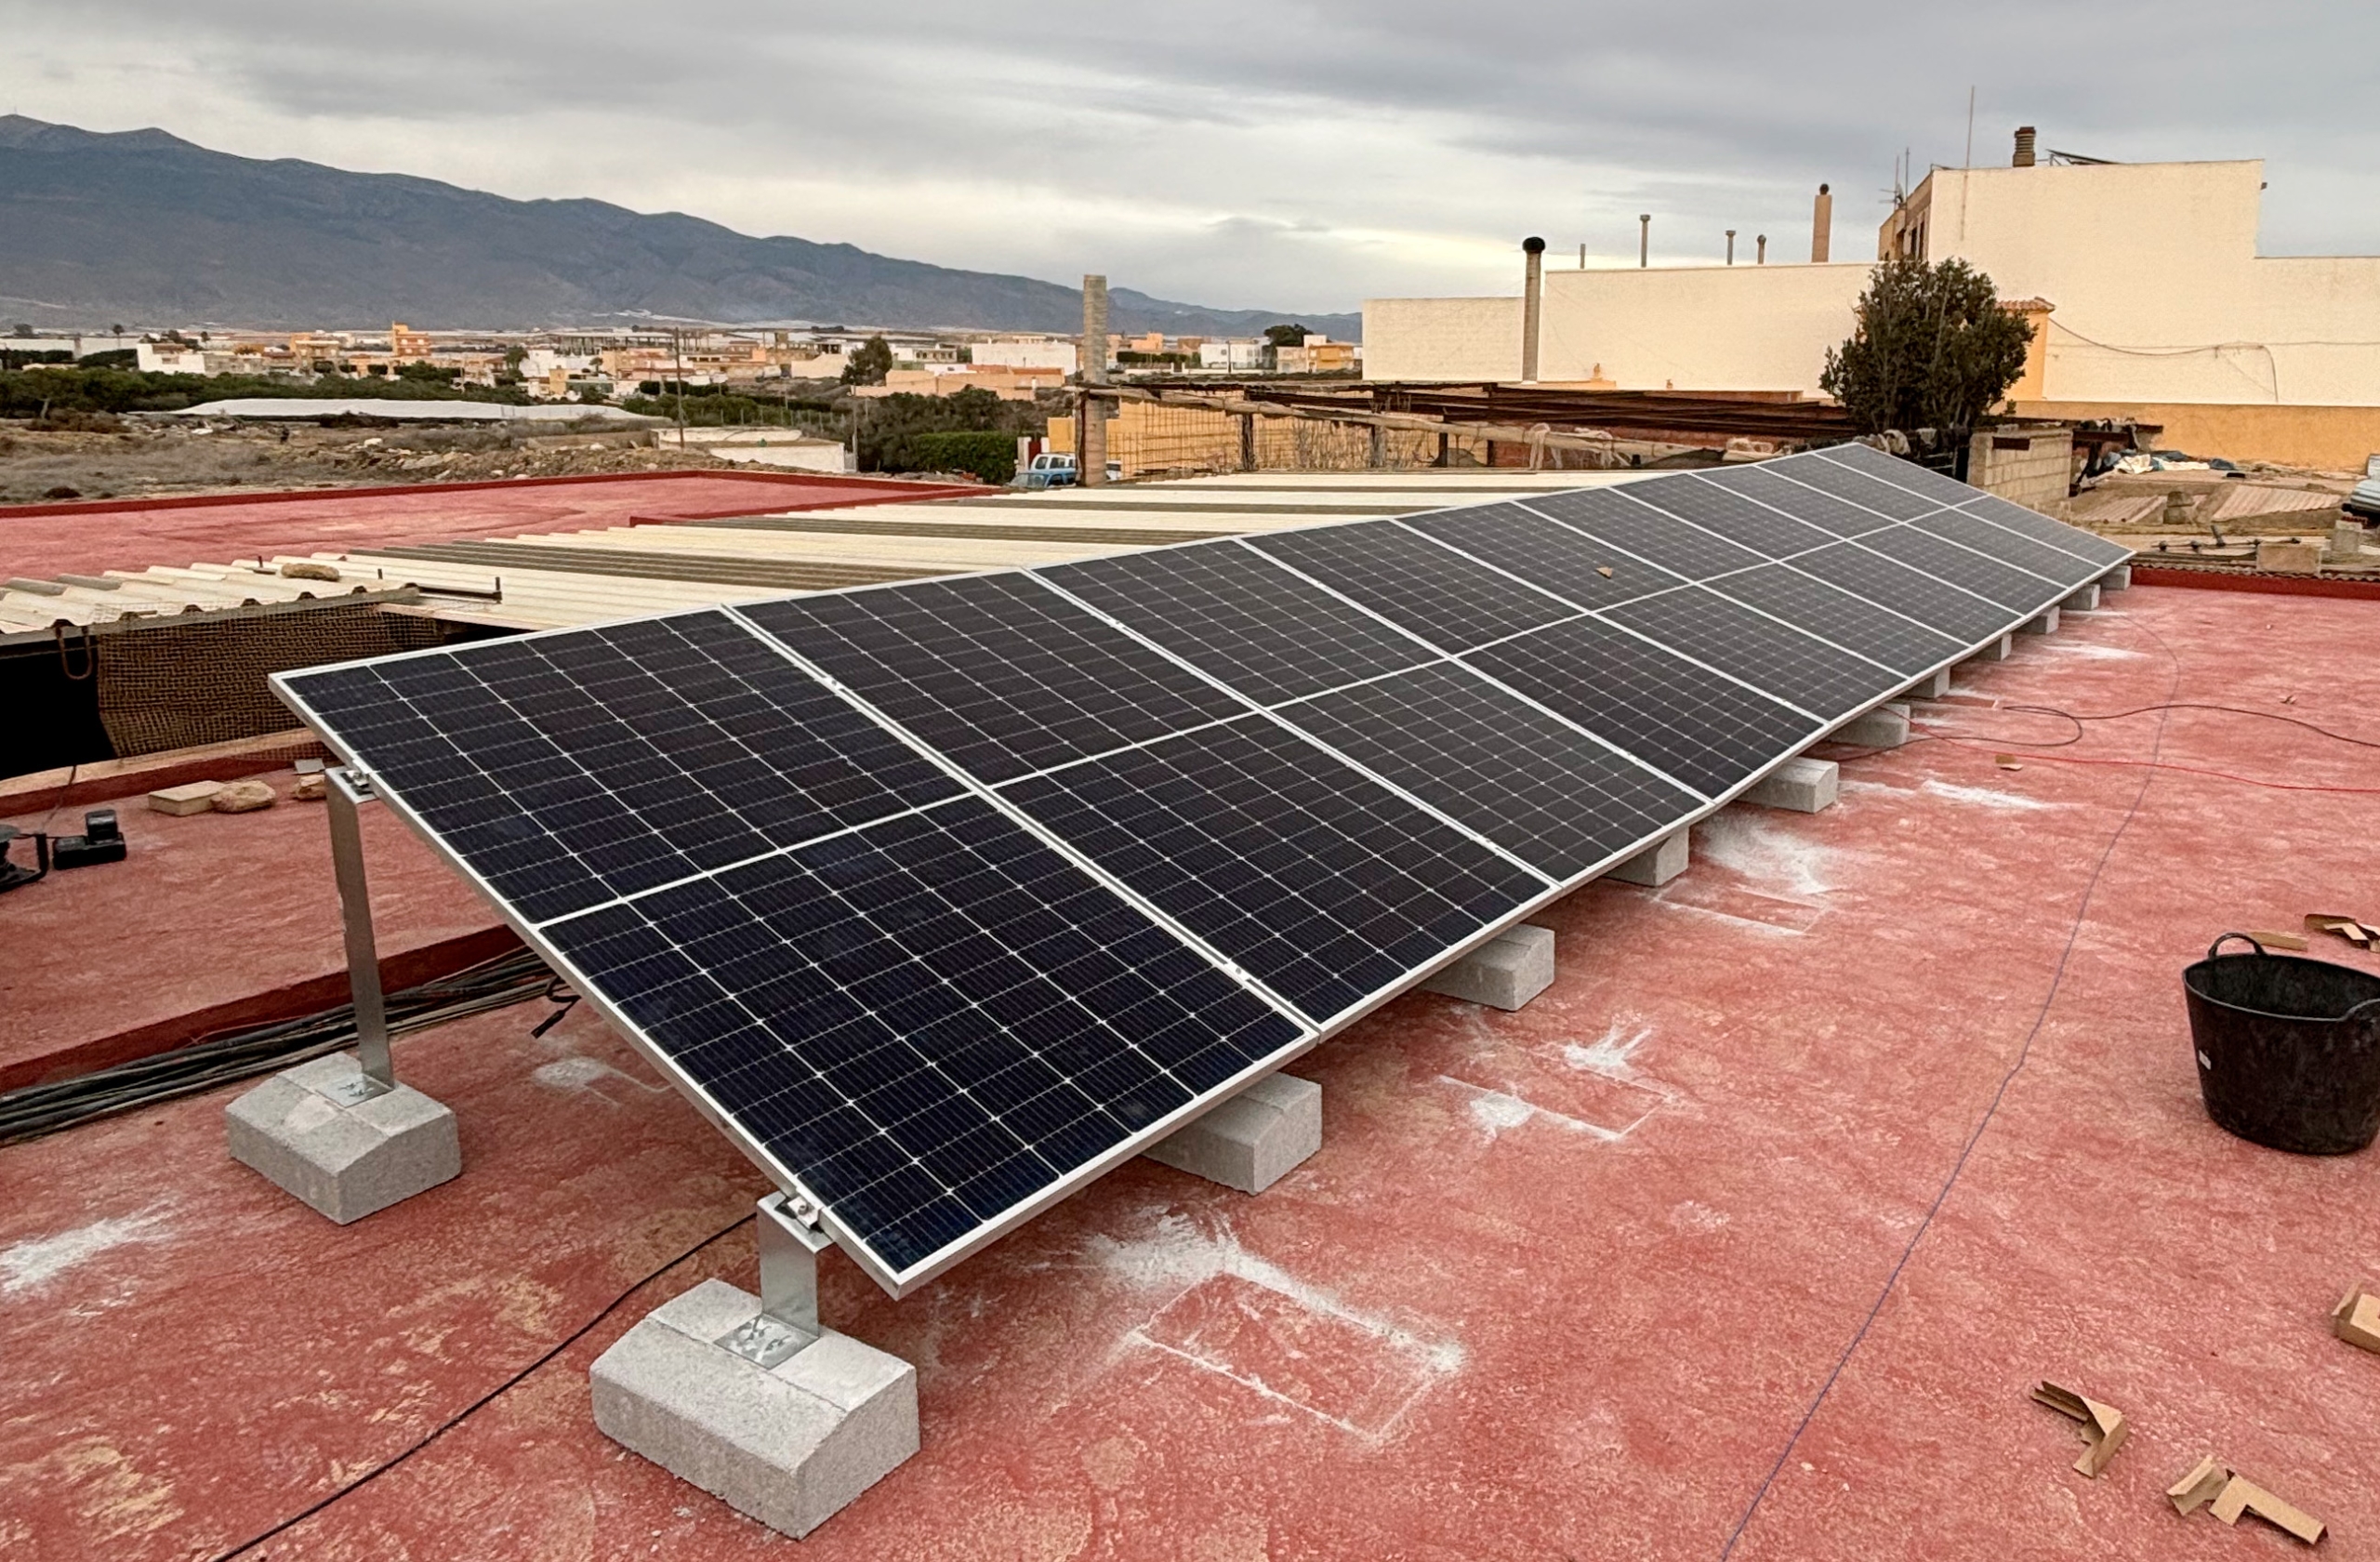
(1296, 153)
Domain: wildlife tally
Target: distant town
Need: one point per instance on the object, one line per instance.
(604, 365)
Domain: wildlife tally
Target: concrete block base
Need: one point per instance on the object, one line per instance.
(1504, 972)
(2117, 579)
(1933, 686)
(1251, 1141)
(303, 1131)
(1884, 727)
(789, 1445)
(1800, 786)
(1998, 651)
(1655, 865)
(2083, 601)
(2045, 624)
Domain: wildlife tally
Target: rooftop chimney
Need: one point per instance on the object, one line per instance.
(1762, 258)
(2024, 158)
(1531, 304)
(1643, 238)
(1822, 226)
(1731, 246)
(1091, 458)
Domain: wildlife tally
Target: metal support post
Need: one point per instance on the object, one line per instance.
(789, 1317)
(345, 791)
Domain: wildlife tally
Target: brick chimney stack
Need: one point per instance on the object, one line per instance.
(1822, 226)
(2024, 158)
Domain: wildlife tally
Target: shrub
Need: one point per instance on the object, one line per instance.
(990, 456)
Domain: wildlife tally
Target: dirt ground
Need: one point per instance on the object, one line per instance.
(140, 457)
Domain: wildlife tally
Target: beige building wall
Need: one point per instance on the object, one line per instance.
(2159, 301)
(1442, 339)
(1690, 328)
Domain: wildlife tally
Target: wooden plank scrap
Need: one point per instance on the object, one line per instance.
(2199, 1487)
(2241, 1495)
(2357, 1318)
(2104, 1428)
(2359, 934)
(2272, 940)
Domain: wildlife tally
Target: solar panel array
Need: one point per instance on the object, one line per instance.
(942, 897)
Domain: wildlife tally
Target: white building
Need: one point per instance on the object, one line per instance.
(1027, 352)
(1237, 355)
(175, 358)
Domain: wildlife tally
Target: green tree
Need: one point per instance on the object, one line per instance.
(1285, 335)
(428, 373)
(1931, 348)
(870, 364)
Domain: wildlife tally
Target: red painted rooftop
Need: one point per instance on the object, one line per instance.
(83, 539)
(1644, 1271)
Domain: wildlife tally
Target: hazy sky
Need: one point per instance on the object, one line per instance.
(1279, 154)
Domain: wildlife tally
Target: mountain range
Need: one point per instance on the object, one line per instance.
(143, 228)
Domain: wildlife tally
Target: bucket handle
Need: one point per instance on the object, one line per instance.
(2216, 947)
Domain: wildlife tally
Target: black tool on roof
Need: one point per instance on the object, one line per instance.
(101, 841)
(14, 874)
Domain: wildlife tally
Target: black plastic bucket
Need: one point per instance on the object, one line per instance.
(2288, 1049)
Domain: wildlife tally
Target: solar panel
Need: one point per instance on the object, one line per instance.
(1240, 617)
(1803, 503)
(997, 671)
(1694, 727)
(1532, 783)
(1448, 600)
(2041, 528)
(1995, 542)
(2004, 584)
(1832, 613)
(1323, 885)
(943, 897)
(569, 769)
(1926, 482)
(1545, 553)
(1609, 516)
(1952, 610)
(1866, 490)
(1733, 516)
(1775, 658)
(928, 1022)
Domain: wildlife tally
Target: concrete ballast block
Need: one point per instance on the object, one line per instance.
(2117, 579)
(1657, 864)
(344, 1158)
(2083, 601)
(1801, 785)
(789, 1445)
(1933, 686)
(1998, 651)
(1504, 972)
(1251, 1141)
(2045, 624)
(1884, 727)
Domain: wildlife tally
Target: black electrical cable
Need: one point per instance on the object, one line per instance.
(1990, 1112)
(477, 1405)
(35, 1110)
